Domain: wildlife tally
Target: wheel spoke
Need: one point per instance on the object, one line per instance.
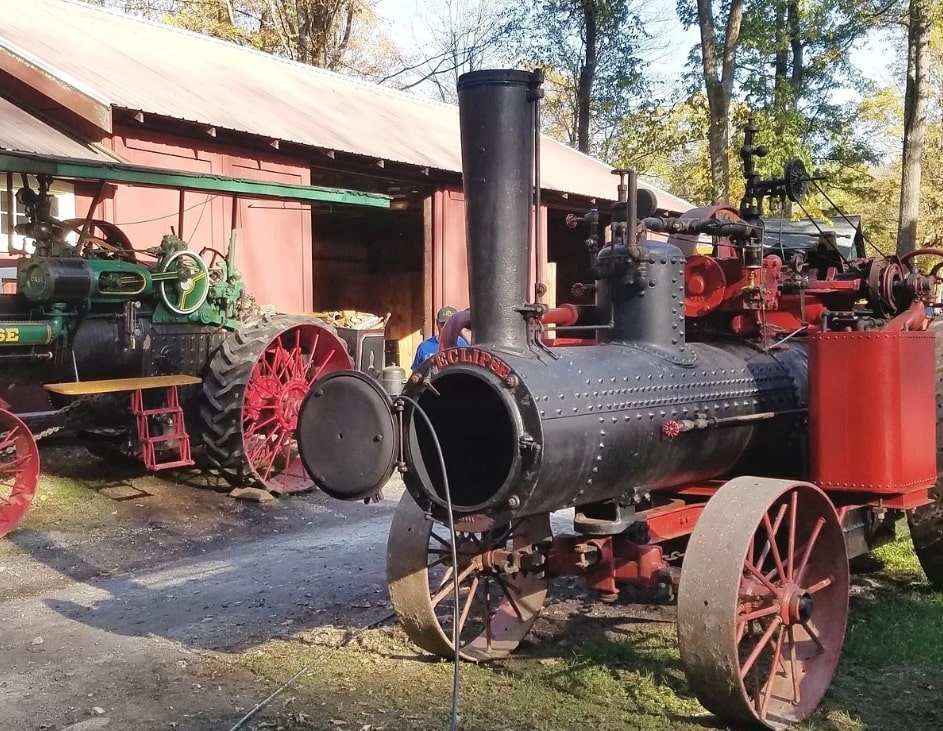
(757, 614)
(8, 438)
(14, 465)
(446, 589)
(761, 578)
(807, 553)
(819, 585)
(777, 653)
(777, 558)
(440, 539)
(793, 664)
(764, 640)
(813, 636)
(766, 549)
(791, 547)
(472, 589)
(446, 575)
(505, 586)
(254, 426)
(320, 369)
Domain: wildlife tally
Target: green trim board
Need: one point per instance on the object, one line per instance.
(115, 172)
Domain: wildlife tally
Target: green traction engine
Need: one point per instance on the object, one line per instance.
(148, 352)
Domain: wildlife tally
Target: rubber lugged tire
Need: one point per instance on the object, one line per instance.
(926, 523)
(224, 385)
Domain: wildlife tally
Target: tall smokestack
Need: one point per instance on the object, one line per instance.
(496, 112)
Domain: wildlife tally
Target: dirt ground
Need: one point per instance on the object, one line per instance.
(131, 601)
(122, 595)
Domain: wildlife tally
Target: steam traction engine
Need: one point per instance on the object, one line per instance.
(148, 352)
(763, 413)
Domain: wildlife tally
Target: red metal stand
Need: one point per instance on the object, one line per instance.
(177, 433)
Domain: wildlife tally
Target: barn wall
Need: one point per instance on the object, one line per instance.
(449, 272)
(273, 238)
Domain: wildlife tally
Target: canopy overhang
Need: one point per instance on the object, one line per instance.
(114, 172)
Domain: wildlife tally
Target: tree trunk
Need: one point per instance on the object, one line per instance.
(915, 122)
(587, 74)
(718, 84)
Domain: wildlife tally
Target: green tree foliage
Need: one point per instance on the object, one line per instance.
(794, 64)
(790, 62)
(668, 144)
(589, 49)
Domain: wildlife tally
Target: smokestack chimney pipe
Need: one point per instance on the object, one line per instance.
(496, 112)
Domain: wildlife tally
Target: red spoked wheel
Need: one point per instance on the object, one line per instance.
(256, 384)
(500, 597)
(19, 470)
(763, 601)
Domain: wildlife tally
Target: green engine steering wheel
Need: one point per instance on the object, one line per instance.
(191, 286)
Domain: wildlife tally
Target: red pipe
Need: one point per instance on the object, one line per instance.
(448, 335)
(913, 318)
(565, 314)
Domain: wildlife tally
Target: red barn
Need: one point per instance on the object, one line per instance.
(81, 82)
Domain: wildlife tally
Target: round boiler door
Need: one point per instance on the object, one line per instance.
(347, 436)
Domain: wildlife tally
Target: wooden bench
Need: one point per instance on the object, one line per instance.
(116, 385)
(143, 414)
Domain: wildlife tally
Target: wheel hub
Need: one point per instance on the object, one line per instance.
(289, 402)
(796, 605)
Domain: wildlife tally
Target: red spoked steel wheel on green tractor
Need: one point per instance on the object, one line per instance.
(19, 470)
(252, 392)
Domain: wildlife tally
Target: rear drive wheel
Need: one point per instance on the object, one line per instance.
(252, 392)
(926, 523)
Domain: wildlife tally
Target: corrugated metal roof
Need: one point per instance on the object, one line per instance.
(22, 132)
(157, 69)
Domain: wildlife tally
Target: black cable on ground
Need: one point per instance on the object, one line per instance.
(350, 635)
(453, 717)
(457, 658)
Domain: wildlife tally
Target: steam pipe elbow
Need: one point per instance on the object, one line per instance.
(448, 336)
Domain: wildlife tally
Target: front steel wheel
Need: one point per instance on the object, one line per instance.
(497, 606)
(763, 601)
